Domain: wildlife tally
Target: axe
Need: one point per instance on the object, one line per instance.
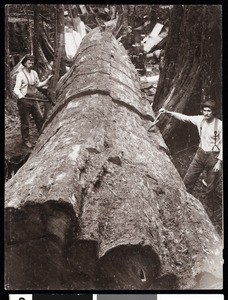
(40, 100)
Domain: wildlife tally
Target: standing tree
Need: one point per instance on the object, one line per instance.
(192, 62)
(7, 57)
(36, 31)
(59, 67)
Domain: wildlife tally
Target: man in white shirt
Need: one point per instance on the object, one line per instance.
(27, 81)
(209, 154)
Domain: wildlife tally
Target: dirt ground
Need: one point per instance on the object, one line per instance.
(16, 153)
(182, 155)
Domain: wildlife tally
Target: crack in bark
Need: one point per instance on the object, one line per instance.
(97, 180)
(133, 109)
(58, 93)
(48, 139)
(165, 150)
(93, 185)
(77, 75)
(101, 92)
(99, 71)
(82, 182)
(82, 172)
(73, 97)
(92, 150)
(121, 82)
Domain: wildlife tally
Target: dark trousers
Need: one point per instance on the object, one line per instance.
(203, 161)
(25, 108)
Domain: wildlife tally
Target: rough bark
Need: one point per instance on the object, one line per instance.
(192, 62)
(36, 29)
(7, 57)
(46, 44)
(43, 65)
(99, 203)
(59, 66)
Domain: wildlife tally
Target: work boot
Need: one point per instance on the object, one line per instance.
(28, 144)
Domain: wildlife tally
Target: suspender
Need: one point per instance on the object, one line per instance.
(201, 126)
(31, 89)
(27, 78)
(215, 147)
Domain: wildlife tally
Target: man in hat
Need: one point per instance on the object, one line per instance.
(27, 81)
(209, 154)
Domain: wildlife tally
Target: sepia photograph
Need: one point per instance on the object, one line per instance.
(113, 148)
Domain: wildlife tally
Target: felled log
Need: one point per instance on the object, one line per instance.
(99, 203)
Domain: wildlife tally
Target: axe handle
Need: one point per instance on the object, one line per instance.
(167, 100)
(38, 99)
(155, 121)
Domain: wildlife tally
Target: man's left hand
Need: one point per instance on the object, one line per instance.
(217, 166)
(49, 76)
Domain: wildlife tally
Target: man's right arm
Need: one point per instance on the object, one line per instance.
(179, 116)
(17, 87)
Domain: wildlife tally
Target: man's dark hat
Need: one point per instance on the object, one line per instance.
(209, 103)
(27, 57)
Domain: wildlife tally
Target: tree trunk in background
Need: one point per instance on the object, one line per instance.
(61, 26)
(59, 65)
(121, 21)
(43, 66)
(7, 56)
(36, 30)
(46, 44)
(99, 204)
(30, 34)
(125, 16)
(192, 62)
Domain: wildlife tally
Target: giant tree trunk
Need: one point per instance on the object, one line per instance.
(43, 66)
(59, 65)
(46, 44)
(7, 57)
(192, 62)
(36, 29)
(99, 203)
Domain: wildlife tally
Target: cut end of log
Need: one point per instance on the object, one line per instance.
(128, 267)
